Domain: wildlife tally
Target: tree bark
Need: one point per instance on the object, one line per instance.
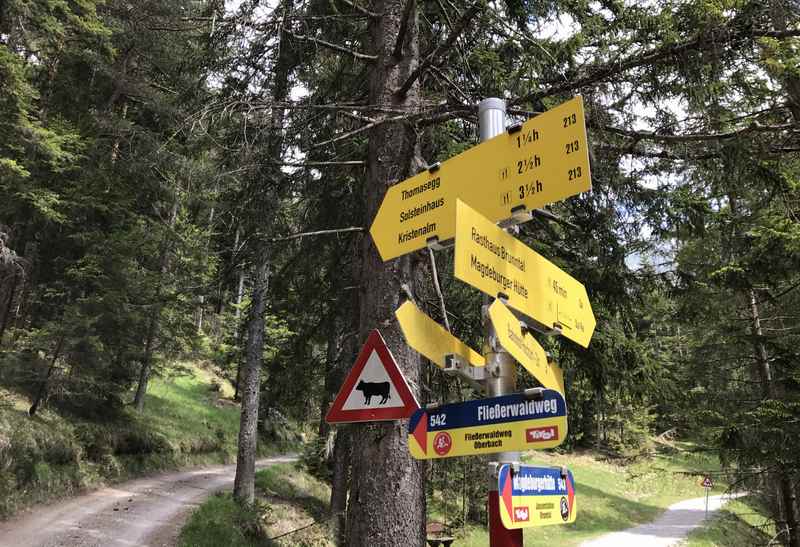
(387, 502)
(244, 483)
(264, 208)
(237, 319)
(340, 482)
(786, 496)
(45, 387)
(7, 309)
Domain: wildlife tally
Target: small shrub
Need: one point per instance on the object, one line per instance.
(137, 442)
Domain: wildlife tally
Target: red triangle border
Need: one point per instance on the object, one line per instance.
(337, 414)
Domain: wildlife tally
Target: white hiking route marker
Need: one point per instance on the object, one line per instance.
(375, 390)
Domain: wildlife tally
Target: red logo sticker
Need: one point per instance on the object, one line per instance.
(542, 434)
(442, 443)
(521, 514)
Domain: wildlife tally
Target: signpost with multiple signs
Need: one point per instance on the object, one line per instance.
(545, 161)
(509, 174)
(486, 426)
(535, 496)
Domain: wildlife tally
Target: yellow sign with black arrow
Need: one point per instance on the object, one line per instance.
(497, 263)
(524, 347)
(544, 161)
(427, 337)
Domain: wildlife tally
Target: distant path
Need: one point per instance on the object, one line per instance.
(669, 529)
(147, 512)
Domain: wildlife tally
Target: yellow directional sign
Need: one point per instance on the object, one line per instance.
(547, 160)
(427, 337)
(494, 262)
(524, 347)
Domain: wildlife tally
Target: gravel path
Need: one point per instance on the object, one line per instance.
(669, 529)
(147, 512)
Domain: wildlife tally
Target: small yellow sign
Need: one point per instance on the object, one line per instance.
(546, 161)
(428, 338)
(524, 347)
(495, 262)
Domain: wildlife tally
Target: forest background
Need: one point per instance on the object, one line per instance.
(191, 177)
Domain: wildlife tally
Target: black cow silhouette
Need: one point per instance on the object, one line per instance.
(370, 389)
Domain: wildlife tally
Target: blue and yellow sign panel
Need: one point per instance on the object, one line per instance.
(485, 426)
(535, 496)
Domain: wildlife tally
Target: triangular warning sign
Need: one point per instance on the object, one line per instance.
(375, 390)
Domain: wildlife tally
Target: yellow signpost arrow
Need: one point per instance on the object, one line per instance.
(524, 347)
(428, 338)
(545, 161)
(494, 262)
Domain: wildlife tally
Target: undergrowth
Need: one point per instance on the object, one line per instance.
(188, 419)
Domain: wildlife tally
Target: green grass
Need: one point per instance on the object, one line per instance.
(290, 511)
(185, 422)
(740, 522)
(190, 416)
(612, 497)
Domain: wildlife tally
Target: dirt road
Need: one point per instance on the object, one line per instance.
(670, 528)
(146, 512)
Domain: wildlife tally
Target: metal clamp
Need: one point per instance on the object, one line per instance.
(434, 243)
(533, 394)
(514, 128)
(455, 365)
(432, 168)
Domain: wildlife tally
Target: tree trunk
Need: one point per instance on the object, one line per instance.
(239, 296)
(244, 483)
(7, 308)
(45, 387)
(152, 326)
(265, 207)
(387, 502)
(786, 495)
(340, 482)
(202, 300)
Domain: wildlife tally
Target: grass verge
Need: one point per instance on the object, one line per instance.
(290, 510)
(188, 419)
(741, 522)
(612, 497)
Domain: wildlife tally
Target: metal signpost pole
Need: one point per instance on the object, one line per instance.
(501, 376)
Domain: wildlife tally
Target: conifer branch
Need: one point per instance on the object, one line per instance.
(715, 38)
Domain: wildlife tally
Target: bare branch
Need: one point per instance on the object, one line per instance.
(329, 45)
(655, 154)
(361, 129)
(317, 233)
(362, 11)
(318, 163)
(696, 137)
(442, 48)
(435, 275)
(397, 53)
